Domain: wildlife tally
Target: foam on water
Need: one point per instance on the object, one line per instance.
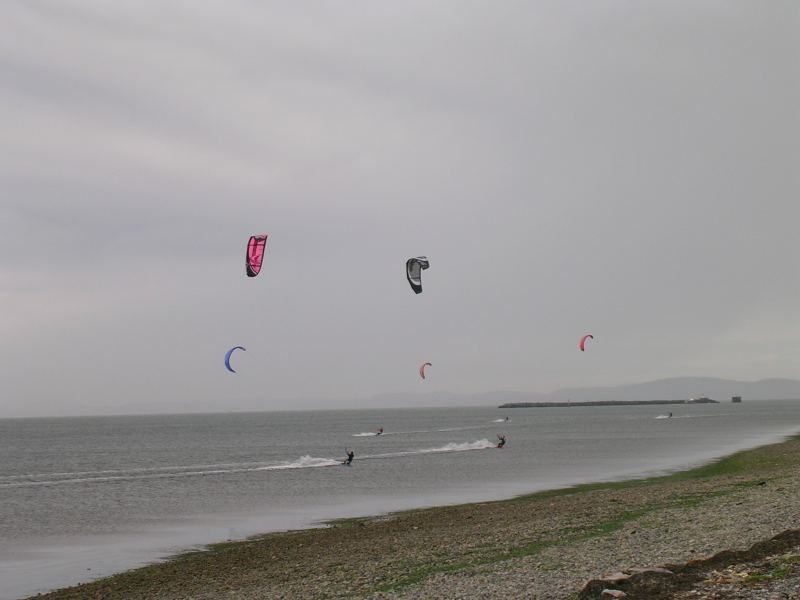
(304, 462)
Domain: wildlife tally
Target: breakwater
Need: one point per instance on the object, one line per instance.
(604, 403)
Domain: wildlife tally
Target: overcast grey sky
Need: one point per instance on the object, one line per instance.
(628, 169)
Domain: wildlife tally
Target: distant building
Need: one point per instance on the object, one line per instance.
(736, 399)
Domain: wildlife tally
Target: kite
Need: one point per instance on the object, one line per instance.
(422, 369)
(255, 254)
(414, 268)
(228, 357)
(583, 341)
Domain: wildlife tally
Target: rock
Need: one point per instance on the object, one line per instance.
(636, 580)
(617, 577)
(650, 570)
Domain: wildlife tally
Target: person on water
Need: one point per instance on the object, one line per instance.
(350, 455)
(670, 415)
(506, 418)
(380, 431)
(501, 441)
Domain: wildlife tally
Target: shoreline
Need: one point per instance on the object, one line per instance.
(447, 551)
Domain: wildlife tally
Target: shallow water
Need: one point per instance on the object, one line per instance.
(85, 497)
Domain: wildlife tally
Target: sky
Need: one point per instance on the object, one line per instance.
(622, 168)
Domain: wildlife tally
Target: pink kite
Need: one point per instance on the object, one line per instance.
(422, 369)
(255, 254)
(583, 341)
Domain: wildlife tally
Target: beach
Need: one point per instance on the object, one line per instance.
(544, 545)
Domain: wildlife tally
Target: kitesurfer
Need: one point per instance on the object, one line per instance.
(670, 416)
(350, 455)
(380, 431)
(501, 441)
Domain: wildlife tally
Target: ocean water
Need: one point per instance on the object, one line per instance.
(81, 498)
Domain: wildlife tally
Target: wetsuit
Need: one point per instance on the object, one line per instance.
(350, 455)
(501, 442)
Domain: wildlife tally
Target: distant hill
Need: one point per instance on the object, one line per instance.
(674, 388)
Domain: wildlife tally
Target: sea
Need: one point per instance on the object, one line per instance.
(85, 497)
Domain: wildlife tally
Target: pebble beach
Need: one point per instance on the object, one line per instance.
(546, 545)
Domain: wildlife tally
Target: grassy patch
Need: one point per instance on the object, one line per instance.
(781, 570)
(775, 574)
